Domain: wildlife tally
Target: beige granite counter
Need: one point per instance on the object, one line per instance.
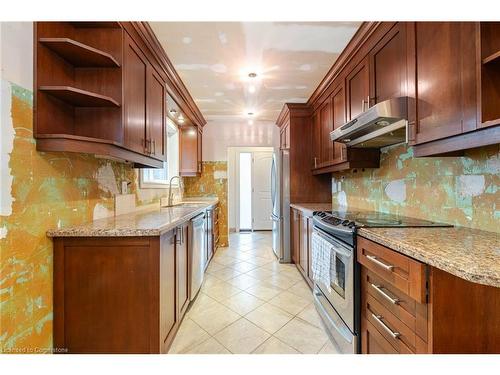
(309, 208)
(471, 254)
(152, 222)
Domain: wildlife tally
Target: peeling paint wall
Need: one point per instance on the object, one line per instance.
(212, 183)
(39, 191)
(456, 190)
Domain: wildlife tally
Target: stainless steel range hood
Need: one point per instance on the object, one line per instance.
(382, 125)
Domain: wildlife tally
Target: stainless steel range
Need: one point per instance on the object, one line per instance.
(336, 273)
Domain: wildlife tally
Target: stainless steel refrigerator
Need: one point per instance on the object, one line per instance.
(280, 196)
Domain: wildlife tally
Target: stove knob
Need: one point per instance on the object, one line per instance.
(345, 222)
(352, 224)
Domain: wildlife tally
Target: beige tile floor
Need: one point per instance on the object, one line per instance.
(250, 303)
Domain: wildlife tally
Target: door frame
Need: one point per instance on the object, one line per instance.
(233, 181)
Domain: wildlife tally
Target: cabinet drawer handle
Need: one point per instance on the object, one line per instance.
(378, 318)
(374, 259)
(394, 301)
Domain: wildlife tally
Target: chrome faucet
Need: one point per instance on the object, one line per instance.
(181, 187)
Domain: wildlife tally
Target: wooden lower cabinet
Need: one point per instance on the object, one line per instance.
(416, 308)
(182, 268)
(295, 235)
(301, 243)
(120, 295)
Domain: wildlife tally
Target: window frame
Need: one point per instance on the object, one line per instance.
(160, 184)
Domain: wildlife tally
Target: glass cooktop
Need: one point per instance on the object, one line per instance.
(379, 219)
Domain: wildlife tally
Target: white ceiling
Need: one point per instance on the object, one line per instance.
(214, 59)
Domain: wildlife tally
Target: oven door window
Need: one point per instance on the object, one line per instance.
(337, 273)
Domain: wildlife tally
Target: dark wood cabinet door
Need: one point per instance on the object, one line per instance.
(388, 66)
(338, 119)
(168, 302)
(134, 91)
(316, 140)
(182, 264)
(372, 341)
(98, 280)
(326, 149)
(295, 242)
(156, 115)
(357, 89)
(188, 165)
(309, 247)
(285, 137)
(304, 245)
(200, 151)
(445, 83)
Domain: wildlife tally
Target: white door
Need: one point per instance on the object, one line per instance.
(262, 206)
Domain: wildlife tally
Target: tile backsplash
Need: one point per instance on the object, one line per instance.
(461, 191)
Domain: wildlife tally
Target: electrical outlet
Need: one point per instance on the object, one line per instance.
(124, 187)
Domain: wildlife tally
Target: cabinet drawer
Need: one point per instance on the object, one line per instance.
(373, 342)
(394, 300)
(406, 274)
(389, 326)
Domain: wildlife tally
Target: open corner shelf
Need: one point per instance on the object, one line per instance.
(79, 54)
(494, 57)
(78, 97)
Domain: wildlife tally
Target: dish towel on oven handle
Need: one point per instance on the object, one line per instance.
(323, 261)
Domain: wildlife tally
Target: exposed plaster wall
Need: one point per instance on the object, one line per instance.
(39, 191)
(212, 183)
(456, 190)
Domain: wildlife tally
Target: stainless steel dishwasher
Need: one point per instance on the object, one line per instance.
(198, 253)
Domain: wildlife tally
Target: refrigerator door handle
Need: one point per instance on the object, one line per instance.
(273, 182)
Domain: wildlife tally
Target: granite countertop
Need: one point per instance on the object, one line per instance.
(471, 254)
(152, 222)
(309, 208)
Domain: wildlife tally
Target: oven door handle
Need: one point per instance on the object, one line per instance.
(343, 250)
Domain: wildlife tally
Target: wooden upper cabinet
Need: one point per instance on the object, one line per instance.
(199, 145)
(285, 137)
(357, 89)
(189, 150)
(156, 114)
(326, 146)
(329, 116)
(316, 140)
(135, 69)
(445, 79)
(339, 119)
(388, 66)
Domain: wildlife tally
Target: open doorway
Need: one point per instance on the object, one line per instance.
(245, 188)
(249, 195)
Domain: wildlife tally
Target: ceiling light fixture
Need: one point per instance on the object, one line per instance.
(250, 113)
(252, 75)
(172, 112)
